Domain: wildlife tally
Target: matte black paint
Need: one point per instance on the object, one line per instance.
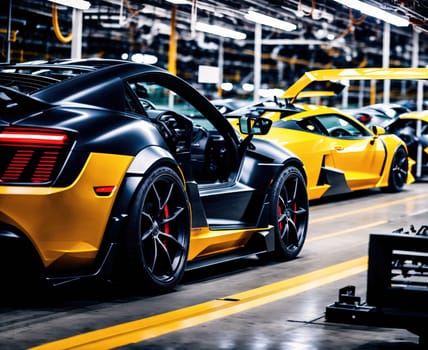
(92, 108)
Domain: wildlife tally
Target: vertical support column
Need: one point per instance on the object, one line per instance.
(193, 18)
(385, 60)
(373, 92)
(419, 101)
(361, 94)
(345, 95)
(220, 67)
(257, 61)
(9, 31)
(172, 51)
(76, 42)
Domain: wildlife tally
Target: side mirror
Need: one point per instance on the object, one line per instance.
(377, 130)
(254, 125)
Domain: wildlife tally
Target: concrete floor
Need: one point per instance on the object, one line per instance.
(249, 304)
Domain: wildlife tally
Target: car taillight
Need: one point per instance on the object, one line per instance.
(31, 155)
(364, 118)
(32, 137)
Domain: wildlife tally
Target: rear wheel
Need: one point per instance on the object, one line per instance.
(157, 238)
(289, 213)
(398, 171)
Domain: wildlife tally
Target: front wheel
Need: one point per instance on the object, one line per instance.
(399, 171)
(289, 213)
(157, 238)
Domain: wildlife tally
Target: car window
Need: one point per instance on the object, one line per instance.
(154, 96)
(187, 132)
(312, 125)
(306, 124)
(338, 126)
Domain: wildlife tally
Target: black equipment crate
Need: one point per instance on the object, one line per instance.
(397, 285)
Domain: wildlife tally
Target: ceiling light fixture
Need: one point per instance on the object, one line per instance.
(270, 21)
(218, 30)
(180, 2)
(375, 12)
(77, 4)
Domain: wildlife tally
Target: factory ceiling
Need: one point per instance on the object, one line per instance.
(327, 34)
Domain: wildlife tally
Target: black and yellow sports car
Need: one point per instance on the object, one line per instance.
(340, 154)
(123, 171)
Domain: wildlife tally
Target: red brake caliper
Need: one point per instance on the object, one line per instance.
(166, 225)
(281, 224)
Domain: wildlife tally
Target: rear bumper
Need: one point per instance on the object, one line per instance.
(66, 226)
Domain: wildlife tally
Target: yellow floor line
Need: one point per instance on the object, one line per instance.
(365, 209)
(147, 328)
(349, 230)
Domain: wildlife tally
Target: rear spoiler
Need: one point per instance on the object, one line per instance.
(14, 103)
(327, 81)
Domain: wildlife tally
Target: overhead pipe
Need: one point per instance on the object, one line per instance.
(57, 30)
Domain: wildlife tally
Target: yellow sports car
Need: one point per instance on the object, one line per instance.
(340, 153)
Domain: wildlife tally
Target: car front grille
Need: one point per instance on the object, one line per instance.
(32, 155)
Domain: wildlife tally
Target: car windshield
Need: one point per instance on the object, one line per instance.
(338, 126)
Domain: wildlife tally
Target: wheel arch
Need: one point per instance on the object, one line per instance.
(296, 162)
(390, 154)
(150, 157)
(146, 160)
(278, 154)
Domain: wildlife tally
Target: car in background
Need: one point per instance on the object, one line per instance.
(226, 105)
(102, 177)
(377, 114)
(340, 153)
(368, 116)
(416, 138)
(392, 110)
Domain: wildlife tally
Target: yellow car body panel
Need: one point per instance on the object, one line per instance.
(360, 172)
(420, 115)
(361, 161)
(205, 242)
(76, 249)
(43, 230)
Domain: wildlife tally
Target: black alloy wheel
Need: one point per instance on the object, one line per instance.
(289, 213)
(399, 171)
(157, 239)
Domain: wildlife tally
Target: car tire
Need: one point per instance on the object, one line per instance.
(289, 213)
(399, 171)
(158, 233)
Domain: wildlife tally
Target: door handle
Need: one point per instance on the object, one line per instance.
(339, 148)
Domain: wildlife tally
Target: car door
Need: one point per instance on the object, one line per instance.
(355, 151)
(211, 172)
